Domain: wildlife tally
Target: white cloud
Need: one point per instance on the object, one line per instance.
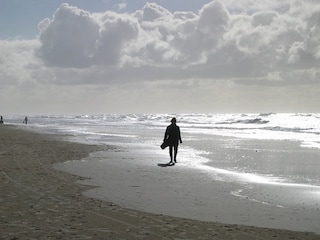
(122, 6)
(250, 6)
(154, 12)
(17, 61)
(69, 40)
(215, 38)
(115, 32)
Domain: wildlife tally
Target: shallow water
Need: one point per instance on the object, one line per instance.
(135, 176)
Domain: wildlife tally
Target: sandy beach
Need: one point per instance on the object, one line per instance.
(39, 202)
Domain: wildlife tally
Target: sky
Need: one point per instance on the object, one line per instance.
(162, 56)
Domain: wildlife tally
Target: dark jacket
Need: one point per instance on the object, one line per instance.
(172, 135)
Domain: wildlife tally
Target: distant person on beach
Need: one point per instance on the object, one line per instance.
(25, 120)
(1, 120)
(173, 137)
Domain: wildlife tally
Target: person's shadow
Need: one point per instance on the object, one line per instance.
(165, 164)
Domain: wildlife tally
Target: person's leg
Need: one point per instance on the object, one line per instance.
(175, 152)
(170, 152)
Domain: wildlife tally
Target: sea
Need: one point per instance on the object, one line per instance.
(239, 144)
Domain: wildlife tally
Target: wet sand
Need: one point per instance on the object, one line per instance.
(39, 202)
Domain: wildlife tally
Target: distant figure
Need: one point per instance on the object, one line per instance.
(1, 120)
(173, 136)
(25, 120)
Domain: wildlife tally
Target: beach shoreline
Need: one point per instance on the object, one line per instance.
(39, 202)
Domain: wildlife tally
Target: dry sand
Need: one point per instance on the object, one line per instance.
(38, 202)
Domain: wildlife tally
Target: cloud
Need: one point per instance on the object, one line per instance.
(17, 61)
(219, 40)
(69, 39)
(122, 6)
(153, 12)
(251, 6)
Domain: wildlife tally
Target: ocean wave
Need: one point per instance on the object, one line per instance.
(266, 114)
(246, 121)
(285, 129)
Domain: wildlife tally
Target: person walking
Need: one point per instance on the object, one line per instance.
(25, 120)
(173, 136)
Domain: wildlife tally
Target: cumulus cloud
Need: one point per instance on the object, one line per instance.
(153, 12)
(224, 39)
(69, 39)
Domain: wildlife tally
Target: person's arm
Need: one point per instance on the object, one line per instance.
(179, 135)
(165, 134)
